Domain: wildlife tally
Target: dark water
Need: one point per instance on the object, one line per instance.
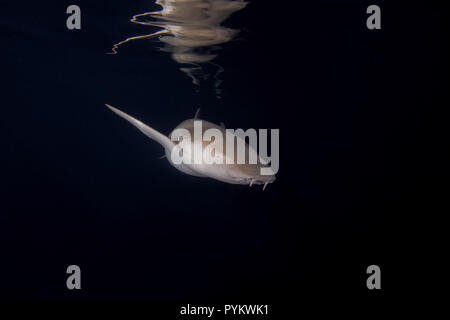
(81, 186)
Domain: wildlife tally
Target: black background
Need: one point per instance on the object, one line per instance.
(362, 142)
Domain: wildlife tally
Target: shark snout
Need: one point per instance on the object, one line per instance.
(265, 180)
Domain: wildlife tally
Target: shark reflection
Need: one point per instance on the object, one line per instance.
(191, 31)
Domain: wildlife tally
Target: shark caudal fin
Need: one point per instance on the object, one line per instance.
(149, 132)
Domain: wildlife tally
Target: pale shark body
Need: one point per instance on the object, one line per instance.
(247, 174)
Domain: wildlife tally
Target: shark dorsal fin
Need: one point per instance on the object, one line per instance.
(197, 113)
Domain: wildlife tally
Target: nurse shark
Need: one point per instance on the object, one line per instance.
(233, 173)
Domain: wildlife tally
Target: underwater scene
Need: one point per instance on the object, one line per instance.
(211, 158)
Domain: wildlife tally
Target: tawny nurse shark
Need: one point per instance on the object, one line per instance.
(246, 174)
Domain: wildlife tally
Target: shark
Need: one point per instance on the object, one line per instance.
(243, 174)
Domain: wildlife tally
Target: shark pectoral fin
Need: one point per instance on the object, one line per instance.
(149, 132)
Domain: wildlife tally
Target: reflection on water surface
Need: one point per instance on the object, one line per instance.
(191, 31)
